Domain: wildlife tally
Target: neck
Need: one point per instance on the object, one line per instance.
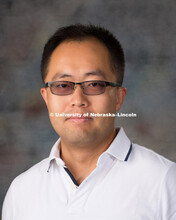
(81, 160)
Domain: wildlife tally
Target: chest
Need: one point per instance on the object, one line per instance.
(101, 196)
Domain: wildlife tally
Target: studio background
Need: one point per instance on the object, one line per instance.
(147, 32)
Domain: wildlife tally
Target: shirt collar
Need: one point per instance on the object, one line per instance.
(55, 155)
(120, 148)
(55, 151)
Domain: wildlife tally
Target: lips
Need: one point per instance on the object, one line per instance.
(79, 118)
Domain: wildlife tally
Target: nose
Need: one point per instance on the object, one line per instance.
(78, 98)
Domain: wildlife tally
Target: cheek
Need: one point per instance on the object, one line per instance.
(56, 104)
(105, 103)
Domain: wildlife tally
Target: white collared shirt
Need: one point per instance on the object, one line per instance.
(128, 184)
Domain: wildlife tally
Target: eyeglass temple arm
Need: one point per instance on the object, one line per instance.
(113, 84)
(46, 84)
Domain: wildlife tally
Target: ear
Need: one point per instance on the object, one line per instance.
(43, 92)
(122, 91)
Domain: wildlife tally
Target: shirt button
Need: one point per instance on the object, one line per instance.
(72, 186)
(57, 162)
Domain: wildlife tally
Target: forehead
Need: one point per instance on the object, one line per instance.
(78, 57)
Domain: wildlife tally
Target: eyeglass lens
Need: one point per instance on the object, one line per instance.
(66, 88)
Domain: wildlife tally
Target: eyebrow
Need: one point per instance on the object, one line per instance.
(91, 73)
(96, 73)
(60, 76)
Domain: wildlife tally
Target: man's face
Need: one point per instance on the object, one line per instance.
(79, 61)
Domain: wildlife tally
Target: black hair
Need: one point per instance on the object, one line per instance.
(79, 32)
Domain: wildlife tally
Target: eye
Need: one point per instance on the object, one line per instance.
(96, 84)
(93, 84)
(62, 85)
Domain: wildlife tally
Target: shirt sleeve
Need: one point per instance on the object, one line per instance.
(168, 195)
(8, 208)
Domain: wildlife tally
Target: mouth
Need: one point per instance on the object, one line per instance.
(79, 118)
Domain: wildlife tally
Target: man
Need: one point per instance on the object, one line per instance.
(93, 171)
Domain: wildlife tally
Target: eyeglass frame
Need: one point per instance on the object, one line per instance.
(112, 84)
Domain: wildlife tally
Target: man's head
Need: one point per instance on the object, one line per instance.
(79, 60)
(80, 32)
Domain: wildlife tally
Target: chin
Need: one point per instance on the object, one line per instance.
(78, 135)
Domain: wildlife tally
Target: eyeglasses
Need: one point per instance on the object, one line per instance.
(93, 87)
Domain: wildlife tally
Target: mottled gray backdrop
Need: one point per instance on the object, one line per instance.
(147, 31)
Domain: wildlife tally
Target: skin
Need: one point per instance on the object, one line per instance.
(82, 139)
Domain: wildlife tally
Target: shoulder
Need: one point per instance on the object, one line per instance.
(23, 186)
(158, 175)
(149, 161)
(31, 175)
